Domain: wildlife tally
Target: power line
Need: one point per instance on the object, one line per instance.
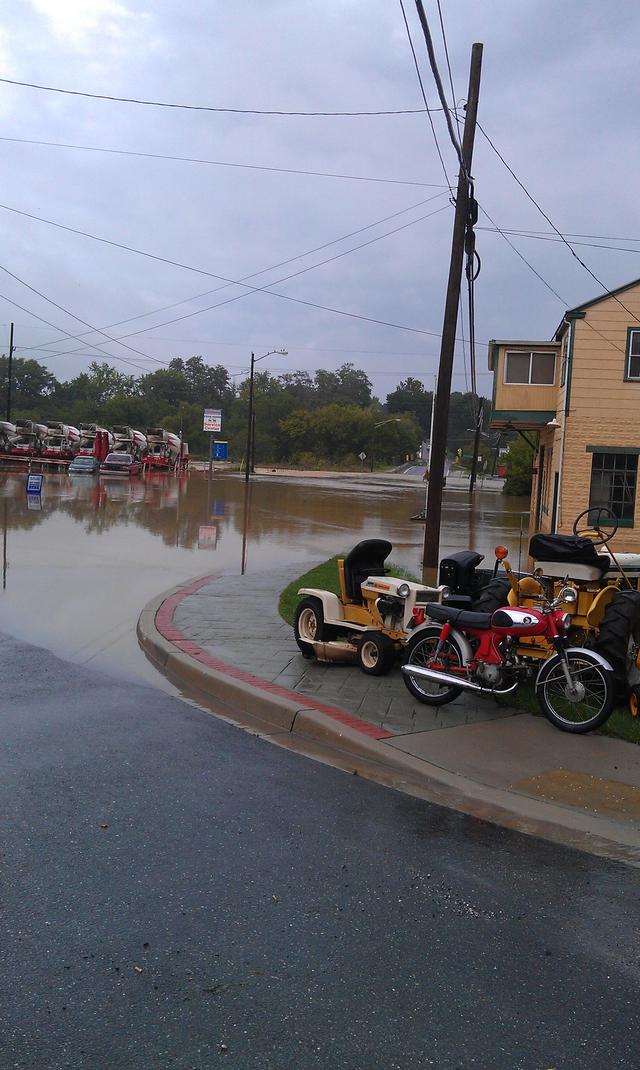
(567, 234)
(221, 278)
(217, 163)
(523, 257)
(446, 53)
(98, 349)
(66, 311)
(549, 286)
(302, 271)
(437, 79)
(554, 227)
(209, 108)
(552, 238)
(263, 271)
(424, 95)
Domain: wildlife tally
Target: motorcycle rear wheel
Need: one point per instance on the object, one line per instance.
(584, 705)
(420, 651)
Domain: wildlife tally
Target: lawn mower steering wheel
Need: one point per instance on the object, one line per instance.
(603, 516)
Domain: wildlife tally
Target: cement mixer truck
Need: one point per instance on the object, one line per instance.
(164, 449)
(61, 442)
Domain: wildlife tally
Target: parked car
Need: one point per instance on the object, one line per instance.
(85, 464)
(120, 464)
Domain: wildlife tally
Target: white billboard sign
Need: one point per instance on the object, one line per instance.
(212, 420)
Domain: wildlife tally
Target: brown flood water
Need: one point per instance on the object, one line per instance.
(78, 567)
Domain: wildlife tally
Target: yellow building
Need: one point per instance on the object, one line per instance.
(578, 399)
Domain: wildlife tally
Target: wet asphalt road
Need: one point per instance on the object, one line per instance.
(180, 894)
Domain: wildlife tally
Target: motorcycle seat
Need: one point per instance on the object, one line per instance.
(461, 618)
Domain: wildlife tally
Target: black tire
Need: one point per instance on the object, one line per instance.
(493, 596)
(419, 651)
(376, 654)
(619, 639)
(591, 702)
(309, 625)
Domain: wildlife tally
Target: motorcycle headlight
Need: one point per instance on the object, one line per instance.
(564, 622)
(403, 590)
(568, 595)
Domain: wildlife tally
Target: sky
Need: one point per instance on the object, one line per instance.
(558, 97)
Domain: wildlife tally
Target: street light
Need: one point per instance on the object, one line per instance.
(393, 420)
(254, 361)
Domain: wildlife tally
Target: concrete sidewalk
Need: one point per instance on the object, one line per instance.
(220, 638)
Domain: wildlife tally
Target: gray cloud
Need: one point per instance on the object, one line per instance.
(558, 96)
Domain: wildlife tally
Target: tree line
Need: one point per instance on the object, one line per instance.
(328, 418)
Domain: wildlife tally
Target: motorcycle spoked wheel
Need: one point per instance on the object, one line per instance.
(583, 705)
(421, 650)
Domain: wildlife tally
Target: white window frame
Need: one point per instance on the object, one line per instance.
(531, 353)
(627, 371)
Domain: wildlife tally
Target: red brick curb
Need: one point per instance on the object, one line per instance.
(165, 625)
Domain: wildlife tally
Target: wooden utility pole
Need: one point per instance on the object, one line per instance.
(476, 445)
(10, 375)
(447, 346)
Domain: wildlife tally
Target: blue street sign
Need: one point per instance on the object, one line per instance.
(220, 451)
(34, 484)
(217, 508)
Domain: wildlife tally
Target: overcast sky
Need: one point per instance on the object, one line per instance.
(559, 97)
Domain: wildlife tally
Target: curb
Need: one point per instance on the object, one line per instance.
(340, 739)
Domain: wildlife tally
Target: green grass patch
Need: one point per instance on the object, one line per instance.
(324, 577)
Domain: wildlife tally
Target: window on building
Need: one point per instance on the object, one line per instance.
(613, 484)
(537, 369)
(633, 356)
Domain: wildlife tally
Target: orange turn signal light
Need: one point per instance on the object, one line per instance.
(501, 552)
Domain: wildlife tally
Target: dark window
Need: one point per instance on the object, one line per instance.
(633, 355)
(613, 484)
(538, 369)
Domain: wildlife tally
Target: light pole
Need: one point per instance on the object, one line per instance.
(393, 420)
(254, 361)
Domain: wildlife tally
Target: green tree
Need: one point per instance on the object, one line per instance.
(97, 386)
(166, 384)
(410, 396)
(207, 385)
(519, 463)
(32, 386)
(347, 385)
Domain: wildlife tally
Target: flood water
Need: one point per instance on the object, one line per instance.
(79, 565)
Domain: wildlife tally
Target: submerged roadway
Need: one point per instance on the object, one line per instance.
(177, 893)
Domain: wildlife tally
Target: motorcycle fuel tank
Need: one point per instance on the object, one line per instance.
(519, 621)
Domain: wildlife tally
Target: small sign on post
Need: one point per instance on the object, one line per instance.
(220, 451)
(34, 484)
(212, 420)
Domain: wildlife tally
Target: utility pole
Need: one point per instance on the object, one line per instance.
(247, 465)
(10, 375)
(437, 453)
(476, 446)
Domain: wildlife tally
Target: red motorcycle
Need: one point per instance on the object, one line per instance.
(468, 651)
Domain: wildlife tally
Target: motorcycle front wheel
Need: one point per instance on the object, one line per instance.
(421, 650)
(581, 705)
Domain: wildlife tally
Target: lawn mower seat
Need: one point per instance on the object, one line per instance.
(565, 551)
(366, 559)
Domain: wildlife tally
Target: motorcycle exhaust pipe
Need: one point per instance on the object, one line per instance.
(455, 681)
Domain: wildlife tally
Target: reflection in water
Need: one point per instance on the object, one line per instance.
(84, 566)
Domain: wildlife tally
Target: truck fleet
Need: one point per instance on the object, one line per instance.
(56, 442)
